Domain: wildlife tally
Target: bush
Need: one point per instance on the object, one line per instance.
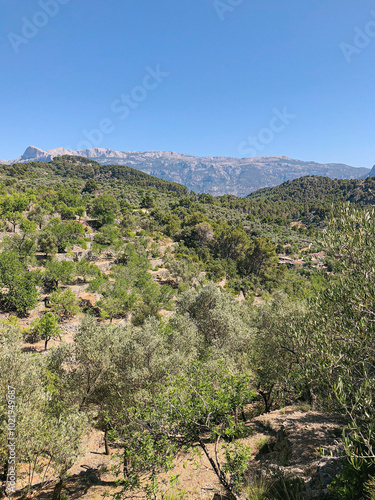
(46, 328)
(350, 484)
(19, 292)
(64, 303)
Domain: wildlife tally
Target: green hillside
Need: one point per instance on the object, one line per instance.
(167, 342)
(310, 198)
(75, 167)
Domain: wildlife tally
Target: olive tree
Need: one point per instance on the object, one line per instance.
(64, 303)
(48, 436)
(278, 351)
(18, 285)
(341, 329)
(104, 208)
(58, 272)
(183, 414)
(46, 327)
(226, 326)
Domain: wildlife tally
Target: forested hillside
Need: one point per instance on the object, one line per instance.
(311, 198)
(82, 168)
(158, 343)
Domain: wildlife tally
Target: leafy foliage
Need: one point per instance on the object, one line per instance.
(64, 303)
(46, 327)
(19, 292)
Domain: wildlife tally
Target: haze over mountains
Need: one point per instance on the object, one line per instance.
(215, 175)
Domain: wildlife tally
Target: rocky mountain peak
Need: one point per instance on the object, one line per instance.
(215, 175)
(31, 153)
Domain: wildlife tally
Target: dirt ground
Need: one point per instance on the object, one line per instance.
(291, 438)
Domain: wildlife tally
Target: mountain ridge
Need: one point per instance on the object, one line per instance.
(215, 175)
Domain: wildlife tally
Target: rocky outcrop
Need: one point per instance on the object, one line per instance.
(292, 450)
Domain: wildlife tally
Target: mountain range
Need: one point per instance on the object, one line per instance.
(215, 175)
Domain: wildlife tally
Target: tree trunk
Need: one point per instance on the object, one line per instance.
(57, 490)
(4, 475)
(267, 398)
(3, 478)
(309, 396)
(126, 464)
(45, 344)
(106, 445)
(219, 473)
(236, 420)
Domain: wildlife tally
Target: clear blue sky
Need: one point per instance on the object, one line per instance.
(229, 68)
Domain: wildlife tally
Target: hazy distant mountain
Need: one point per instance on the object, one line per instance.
(215, 175)
(372, 172)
